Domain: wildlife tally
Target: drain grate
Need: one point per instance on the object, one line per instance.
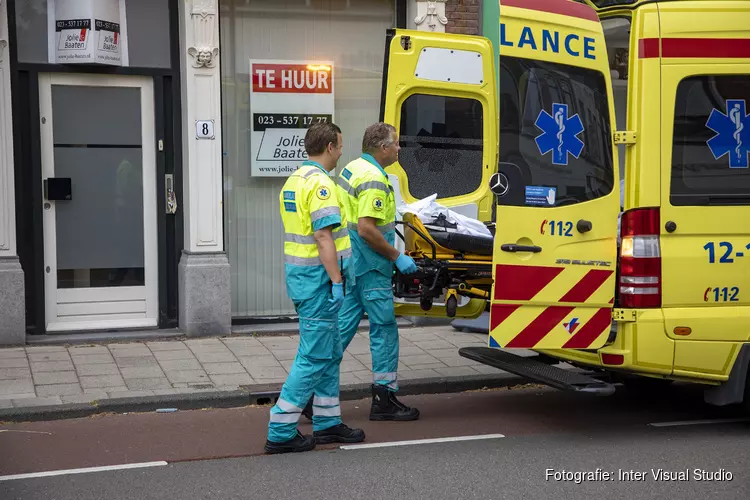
(201, 386)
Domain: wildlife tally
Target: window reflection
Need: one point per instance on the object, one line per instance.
(528, 88)
(441, 145)
(699, 178)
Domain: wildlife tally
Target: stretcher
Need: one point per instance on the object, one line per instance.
(450, 265)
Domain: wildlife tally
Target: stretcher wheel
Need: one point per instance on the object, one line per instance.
(450, 306)
(425, 303)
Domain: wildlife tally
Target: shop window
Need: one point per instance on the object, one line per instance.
(146, 25)
(441, 145)
(711, 141)
(350, 34)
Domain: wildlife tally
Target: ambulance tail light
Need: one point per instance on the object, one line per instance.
(640, 259)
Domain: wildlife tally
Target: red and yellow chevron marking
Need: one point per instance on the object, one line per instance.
(537, 303)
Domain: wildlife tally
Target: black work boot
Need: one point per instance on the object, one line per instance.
(385, 406)
(308, 410)
(298, 443)
(339, 434)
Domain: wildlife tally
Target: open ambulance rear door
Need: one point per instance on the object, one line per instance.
(439, 91)
(555, 256)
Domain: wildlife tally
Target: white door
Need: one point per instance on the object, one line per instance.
(99, 196)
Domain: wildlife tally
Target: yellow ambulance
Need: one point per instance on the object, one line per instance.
(604, 146)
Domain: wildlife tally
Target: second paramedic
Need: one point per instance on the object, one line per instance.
(315, 242)
(368, 198)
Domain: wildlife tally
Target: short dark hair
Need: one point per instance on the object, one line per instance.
(319, 135)
(376, 135)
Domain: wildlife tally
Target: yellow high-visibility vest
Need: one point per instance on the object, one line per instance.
(308, 202)
(365, 191)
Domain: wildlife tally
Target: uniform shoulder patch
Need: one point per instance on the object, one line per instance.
(290, 206)
(323, 193)
(378, 203)
(346, 174)
(289, 195)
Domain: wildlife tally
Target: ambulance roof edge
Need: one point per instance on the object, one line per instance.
(563, 7)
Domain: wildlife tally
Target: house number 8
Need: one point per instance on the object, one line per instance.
(204, 129)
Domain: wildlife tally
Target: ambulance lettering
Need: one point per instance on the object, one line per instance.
(549, 41)
(576, 262)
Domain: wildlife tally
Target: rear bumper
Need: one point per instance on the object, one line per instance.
(638, 346)
(641, 347)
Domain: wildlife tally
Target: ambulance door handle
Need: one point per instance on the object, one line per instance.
(510, 247)
(584, 226)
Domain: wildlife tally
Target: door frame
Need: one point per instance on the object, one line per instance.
(149, 293)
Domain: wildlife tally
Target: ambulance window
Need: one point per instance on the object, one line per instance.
(539, 101)
(711, 143)
(441, 145)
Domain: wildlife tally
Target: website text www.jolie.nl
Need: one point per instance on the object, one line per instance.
(283, 169)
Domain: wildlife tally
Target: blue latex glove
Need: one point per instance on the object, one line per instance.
(405, 264)
(337, 290)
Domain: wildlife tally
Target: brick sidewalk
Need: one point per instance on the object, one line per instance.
(55, 375)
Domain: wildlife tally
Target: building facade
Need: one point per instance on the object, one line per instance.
(141, 148)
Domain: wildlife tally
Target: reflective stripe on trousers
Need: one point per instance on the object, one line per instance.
(326, 407)
(326, 412)
(291, 415)
(318, 401)
(389, 377)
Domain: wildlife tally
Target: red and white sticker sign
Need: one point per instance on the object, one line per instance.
(286, 97)
(293, 78)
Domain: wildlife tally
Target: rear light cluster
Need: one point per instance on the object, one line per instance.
(640, 259)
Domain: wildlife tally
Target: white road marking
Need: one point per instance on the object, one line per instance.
(25, 432)
(82, 471)
(699, 422)
(421, 441)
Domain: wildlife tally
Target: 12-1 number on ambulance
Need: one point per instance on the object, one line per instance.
(726, 252)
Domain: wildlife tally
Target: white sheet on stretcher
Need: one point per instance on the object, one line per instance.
(427, 209)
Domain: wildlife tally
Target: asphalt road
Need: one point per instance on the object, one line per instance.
(218, 453)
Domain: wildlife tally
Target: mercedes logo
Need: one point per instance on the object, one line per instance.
(499, 184)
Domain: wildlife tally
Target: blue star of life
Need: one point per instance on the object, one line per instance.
(559, 134)
(732, 133)
(324, 192)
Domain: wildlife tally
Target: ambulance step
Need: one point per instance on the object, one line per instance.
(537, 371)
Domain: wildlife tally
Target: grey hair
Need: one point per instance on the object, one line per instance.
(377, 135)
